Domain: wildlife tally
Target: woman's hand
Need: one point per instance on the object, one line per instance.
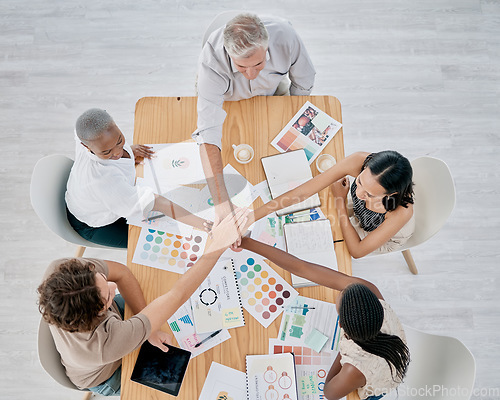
(141, 151)
(208, 226)
(340, 188)
(229, 230)
(160, 339)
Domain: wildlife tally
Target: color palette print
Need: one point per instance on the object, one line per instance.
(264, 293)
(175, 253)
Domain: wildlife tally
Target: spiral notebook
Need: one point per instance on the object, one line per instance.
(271, 376)
(310, 241)
(285, 172)
(216, 303)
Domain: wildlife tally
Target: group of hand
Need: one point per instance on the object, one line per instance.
(227, 231)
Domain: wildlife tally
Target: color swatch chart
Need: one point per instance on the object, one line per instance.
(264, 293)
(175, 253)
(303, 355)
(311, 367)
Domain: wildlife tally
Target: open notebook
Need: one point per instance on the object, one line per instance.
(285, 172)
(310, 241)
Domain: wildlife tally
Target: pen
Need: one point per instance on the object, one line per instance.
(337, 241)
(335, 334)
(154, 217)
(207, 338)
(305, 308)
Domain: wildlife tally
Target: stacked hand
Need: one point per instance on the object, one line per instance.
(229, 230)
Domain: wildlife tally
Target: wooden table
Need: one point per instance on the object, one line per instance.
(256, 122)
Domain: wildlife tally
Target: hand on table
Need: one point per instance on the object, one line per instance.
(340, 188)
(159, 339)
(141, 151)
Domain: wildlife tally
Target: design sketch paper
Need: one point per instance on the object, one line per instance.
(310, 129)
(184, 196)
(216, 302)
(238, 188)
(264, 292)
(271, 377)
(175, 253)
(303, 316)
(182, 327)
(175, 164)
(224, 383)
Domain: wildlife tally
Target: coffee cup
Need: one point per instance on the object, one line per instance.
(324, 162)
(243, 153)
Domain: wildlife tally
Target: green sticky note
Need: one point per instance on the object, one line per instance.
(316, 340)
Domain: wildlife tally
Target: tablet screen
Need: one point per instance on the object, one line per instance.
(159, 370)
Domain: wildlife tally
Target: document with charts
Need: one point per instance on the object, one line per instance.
(216, 303)
(309, 322)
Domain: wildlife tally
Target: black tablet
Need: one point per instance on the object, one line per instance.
(159, 370)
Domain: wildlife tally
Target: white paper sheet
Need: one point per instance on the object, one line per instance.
(224, 383)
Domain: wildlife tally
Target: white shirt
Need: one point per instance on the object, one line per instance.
(375, 369)
(219, 80)
(101, 191)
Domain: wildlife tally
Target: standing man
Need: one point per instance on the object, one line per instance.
(246, 58)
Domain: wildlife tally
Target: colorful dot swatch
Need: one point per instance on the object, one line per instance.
(167, 251)
(264, 293)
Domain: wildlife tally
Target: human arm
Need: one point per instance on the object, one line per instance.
(393, 222)
(302, 72)
(163, 307)
(211, 161)
(350, 165)
(141, 151)
(313, 272)
(342, 380)
(129, 288)
(175, 211)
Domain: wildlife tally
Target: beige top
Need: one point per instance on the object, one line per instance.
(375, 369)
(90, 358)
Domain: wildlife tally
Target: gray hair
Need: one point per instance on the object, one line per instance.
(244, 34)
(92, 123)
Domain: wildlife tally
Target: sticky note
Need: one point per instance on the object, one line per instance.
(316, 340)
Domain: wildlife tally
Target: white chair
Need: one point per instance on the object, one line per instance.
(434, 202)
(441, 368)
(51, 359)
(47, 189)
(218, 21)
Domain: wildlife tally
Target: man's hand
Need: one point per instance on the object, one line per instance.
(141, 151)
(159, 339)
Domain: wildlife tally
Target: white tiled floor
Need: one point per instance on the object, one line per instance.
(421, 77)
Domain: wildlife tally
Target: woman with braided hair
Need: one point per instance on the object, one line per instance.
(373, 356)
